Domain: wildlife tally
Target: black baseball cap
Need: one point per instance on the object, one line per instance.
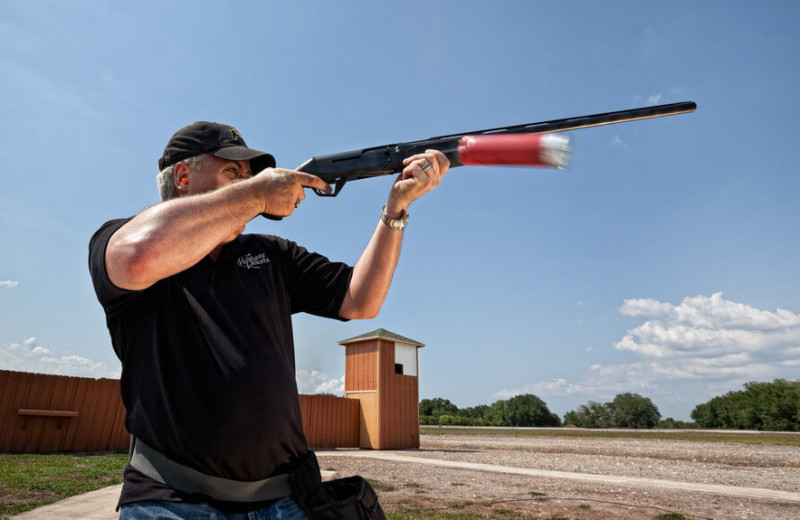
(219, 140)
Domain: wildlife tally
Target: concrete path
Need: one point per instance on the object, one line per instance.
(736, 491)
(100, 504)
(95, 505)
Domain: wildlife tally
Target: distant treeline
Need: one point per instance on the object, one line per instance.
(761, 406)
(520, 410)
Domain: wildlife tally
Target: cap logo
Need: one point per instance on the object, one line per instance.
(236, 135)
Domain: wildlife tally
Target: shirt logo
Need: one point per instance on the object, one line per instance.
(250, 261)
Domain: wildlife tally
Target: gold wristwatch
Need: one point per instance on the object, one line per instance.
(394, 223)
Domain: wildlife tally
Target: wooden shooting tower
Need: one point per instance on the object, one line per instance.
(381, 371)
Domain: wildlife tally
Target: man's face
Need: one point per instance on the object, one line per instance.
(215, 173)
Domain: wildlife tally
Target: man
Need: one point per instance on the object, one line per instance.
(200, 317)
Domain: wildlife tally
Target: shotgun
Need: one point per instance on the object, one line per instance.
(526, 144)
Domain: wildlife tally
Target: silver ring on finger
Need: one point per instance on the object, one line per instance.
(427, 166)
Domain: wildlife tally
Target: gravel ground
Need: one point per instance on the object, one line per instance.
(732, 464)
(409, 487)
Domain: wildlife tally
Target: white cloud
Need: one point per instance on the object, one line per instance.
(7, 284)
(28, 356)
(706, 338)
(646, 307)
(558, 386)
(654, 99)
(316, 382)
(703, 328)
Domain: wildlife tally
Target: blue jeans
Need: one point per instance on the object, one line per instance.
(283, 509)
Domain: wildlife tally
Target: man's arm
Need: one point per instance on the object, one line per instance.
(373, 272)
(172, 236)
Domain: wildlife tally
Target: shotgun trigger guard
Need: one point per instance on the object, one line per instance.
(337, 187)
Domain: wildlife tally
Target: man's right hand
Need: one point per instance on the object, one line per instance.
(282, 190)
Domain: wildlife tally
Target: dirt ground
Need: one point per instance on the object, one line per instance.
(409, 487)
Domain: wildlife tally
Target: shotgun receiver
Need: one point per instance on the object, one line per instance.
(509, 145)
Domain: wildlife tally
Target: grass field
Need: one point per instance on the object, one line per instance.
(29, 481)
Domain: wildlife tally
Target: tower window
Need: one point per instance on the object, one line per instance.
(398, 368)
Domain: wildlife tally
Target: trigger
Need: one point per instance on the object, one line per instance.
(337, 187)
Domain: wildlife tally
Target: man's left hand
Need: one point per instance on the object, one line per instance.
(421, 174)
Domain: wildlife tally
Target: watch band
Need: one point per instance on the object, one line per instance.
(394, 223)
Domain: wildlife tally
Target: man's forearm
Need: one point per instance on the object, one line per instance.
(172, 236)
(372, 274)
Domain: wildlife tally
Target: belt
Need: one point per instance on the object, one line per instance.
(183, 478)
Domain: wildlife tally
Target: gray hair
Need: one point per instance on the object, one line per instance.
(166, 178)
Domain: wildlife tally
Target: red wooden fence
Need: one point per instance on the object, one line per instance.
(47, 413)
(330, 421)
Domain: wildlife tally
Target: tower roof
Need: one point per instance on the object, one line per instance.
(382, 334)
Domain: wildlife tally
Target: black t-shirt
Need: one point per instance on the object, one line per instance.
(208, 373)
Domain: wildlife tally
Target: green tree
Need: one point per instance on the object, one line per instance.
(436, 407)
(776, 405)
(703, 415)
(475, 415)
(522, 410)
(590, 415)
(625, 411)
(476, 412)
(495, 415)
(633, 411)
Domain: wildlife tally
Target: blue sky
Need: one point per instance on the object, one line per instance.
(664, 262)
